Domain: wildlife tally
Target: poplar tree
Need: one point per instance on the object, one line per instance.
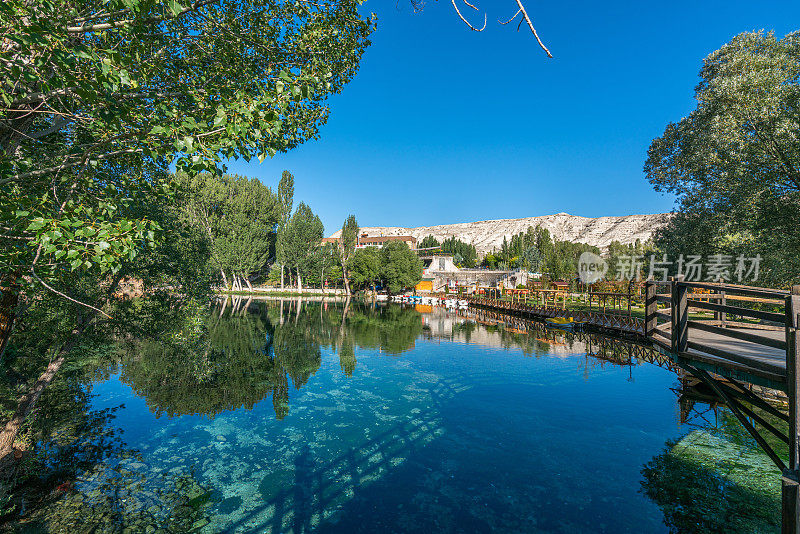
(285, 201)
(99, 98)
(239, 216)
(347, 243)
(302, 237)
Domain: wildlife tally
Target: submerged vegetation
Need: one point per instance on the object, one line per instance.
(714, 481)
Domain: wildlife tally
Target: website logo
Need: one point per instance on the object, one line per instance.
(591, 267)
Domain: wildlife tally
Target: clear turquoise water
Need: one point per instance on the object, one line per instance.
(440, 427)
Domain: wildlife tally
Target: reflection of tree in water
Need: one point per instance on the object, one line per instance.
(70, 478)
(296, 354)
(228, 368)
(245, 355)
(715, 480)
(392, 329)
(347, 356)
(241, 358)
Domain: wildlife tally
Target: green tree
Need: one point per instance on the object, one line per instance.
(532, 258)
(467, 254)
(364, 267)
(98, 100)
(734, 162)
(347, 244)
(303, 234)
(285, 202)
(400, 267)
(239, 215)
(429, 242)
(100, 306)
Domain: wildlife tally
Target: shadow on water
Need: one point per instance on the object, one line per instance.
(318, 491)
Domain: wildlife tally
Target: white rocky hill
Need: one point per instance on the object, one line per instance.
(488, 235)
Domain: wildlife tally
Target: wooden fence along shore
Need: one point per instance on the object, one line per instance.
(751, 336)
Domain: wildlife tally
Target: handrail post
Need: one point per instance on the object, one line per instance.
(679, 314)
(790, 488)
(650, 308)
(682, 316)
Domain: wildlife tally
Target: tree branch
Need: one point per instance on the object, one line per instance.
(533, 30)
(471, 27)
(83, 28)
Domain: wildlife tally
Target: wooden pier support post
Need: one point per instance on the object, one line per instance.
(790, 496)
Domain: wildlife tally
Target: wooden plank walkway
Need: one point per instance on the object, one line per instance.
(755, 363)
(756, 355)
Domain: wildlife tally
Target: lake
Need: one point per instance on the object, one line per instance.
(302, 416)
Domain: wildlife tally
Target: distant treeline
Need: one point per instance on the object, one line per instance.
(536, 251)
(254, 235)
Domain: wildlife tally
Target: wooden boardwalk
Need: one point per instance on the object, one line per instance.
(608, 322)
(747, 361)
(756, 354)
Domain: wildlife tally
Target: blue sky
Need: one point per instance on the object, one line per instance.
(444, 125)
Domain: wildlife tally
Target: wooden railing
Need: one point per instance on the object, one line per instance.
(614, 322)
(672, 302)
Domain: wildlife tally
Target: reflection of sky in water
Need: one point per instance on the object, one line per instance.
(447, 437)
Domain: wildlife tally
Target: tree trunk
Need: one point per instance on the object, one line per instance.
(224, 278)
(8, 303)
(322, 280)
(28, 401)
(346, 280)
(282, 277)
(249, 285)
(299, 281)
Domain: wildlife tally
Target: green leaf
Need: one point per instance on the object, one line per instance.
(175, 7)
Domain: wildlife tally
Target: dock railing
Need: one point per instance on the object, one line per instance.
(674, 301)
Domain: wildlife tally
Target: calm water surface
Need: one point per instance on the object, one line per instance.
(384, 419)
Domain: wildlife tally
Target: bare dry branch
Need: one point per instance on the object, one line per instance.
(512, 18)
(455, 6)
(63, 295)
(533, 30)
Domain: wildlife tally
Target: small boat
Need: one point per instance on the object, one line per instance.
(562, 322)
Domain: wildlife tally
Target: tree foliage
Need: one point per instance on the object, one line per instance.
(467, 253)
(238, 214)
(429, 242)
(303, 234)
(535, 250)
(347, 245)
(98, 98)
(400, 267)
(364, 267)
(734, 162)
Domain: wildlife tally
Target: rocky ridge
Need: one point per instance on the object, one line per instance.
(488, 235)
